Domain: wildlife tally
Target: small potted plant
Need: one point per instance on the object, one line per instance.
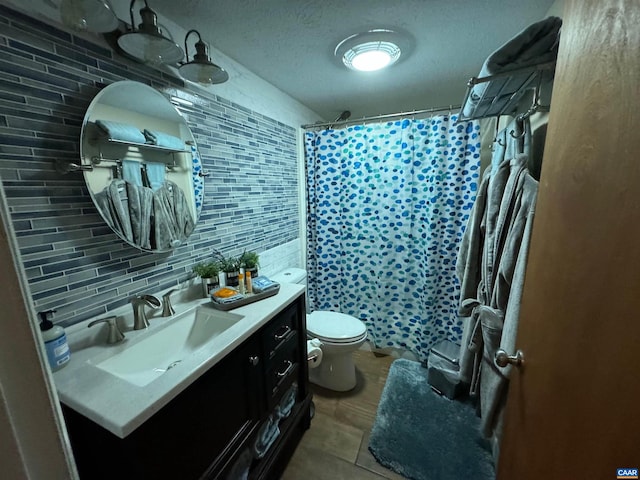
(230, 266)
(250, 261)
(208, 273)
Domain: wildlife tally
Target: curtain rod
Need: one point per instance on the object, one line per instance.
(382, 117)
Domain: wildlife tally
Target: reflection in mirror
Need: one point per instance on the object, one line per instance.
(145, 174)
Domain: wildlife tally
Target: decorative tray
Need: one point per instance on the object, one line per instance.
(247, 298)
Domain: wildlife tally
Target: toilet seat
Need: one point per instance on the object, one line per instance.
(334, 327)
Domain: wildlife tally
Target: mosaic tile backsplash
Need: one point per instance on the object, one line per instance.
(74, 262)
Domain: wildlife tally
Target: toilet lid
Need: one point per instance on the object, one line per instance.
(335, 327)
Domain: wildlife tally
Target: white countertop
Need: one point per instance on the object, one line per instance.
(120, 406)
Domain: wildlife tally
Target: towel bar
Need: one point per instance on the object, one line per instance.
(64, 167)
(508, 88)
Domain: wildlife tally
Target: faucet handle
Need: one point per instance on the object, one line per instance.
(115, 335)
(167, 308)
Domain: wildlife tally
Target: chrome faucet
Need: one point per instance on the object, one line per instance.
(167, 308)
(139, 315)
(114, 335)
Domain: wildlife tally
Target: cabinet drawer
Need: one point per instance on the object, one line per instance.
(282, 370)
(281, 330)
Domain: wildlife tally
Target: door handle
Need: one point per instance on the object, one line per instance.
(503, 359)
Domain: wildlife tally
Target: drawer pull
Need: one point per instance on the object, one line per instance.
(280, 336)
(254, 360)
(286, 370)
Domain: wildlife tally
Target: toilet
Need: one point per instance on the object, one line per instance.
(339, 335)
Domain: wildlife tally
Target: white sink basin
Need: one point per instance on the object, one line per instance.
(160, 350)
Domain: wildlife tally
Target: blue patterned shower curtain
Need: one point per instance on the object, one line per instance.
(387, 205)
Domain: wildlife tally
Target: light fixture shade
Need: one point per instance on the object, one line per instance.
(371, 50)
(147, 43)
(201, 69)
(88, 15)
(206, 73)
(150, 48)
(371, 56)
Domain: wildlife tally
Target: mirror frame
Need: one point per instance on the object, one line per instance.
(101, 156)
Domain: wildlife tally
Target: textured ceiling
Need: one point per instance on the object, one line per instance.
(290, 44)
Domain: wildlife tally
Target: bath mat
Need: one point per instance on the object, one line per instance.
(424, 436)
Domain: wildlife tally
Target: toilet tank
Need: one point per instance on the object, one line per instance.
(291, 275)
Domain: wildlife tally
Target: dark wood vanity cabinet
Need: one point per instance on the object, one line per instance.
(218, 426)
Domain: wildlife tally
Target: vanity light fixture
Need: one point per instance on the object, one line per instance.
(372, 50)
(147, 43)
(88, 15)
(200, 69)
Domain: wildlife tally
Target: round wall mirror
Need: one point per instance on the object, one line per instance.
(142, 166)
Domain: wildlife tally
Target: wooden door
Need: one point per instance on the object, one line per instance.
(573, 410)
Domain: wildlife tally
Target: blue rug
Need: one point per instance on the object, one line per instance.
(424, 436)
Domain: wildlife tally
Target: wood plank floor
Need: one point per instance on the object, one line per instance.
(336, 445)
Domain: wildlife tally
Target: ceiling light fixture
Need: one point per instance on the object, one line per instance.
(88, 15)
(147, 43)
(371, 50)
(200, 69)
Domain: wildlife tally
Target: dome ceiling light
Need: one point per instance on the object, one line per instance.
(372, 50)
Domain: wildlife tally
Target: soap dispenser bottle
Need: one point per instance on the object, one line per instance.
(55, 341)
